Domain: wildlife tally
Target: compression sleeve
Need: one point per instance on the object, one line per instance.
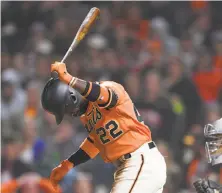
(95, 92)
(86, 152)
(79, 157)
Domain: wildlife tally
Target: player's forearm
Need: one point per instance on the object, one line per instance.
(78, 84)
(79, 157)
(105, 97)
(86, 152)
(90, 90)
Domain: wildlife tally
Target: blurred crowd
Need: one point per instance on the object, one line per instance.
(168, 55)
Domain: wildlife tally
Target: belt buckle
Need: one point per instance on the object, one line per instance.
(151, 145)
(127, 156)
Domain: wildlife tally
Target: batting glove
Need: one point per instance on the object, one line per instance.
(60, 68)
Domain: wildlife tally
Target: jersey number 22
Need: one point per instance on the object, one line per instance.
(111, 129)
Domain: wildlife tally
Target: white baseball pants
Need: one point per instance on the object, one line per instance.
(144, 172)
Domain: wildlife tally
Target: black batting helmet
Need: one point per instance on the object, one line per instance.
(60, 99)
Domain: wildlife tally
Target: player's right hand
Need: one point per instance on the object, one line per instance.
(61, 69)
(59, 172)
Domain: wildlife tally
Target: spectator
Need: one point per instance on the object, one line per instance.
(194, 155)
(217, 43)
(61, 144)
(105, 28)
(132, 85)
(114, 65)
(122, 39)
(32, 109)
(178, 83)
(200, 30)
(173, 169)
(83, 183)
(61, 38)
(12, 104)
(207, 79)
(48, 121)
(188, 54)
(41, 68)
(19, 65)
(212, 113)
(156, 108)
(33, 147)
(12, 167)
(5, 60)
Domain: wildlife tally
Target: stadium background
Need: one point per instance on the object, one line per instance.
(168, 55)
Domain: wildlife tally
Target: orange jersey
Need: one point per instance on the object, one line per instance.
(116, 131)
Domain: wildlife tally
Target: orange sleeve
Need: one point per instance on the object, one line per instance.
(46, 186)
(104, 95)
(88, 146)
(111, 94)
(9, 187)
(95, 92)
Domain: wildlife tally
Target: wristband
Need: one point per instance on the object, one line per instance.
(72, 82)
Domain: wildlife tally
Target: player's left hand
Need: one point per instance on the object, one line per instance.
(60, 68)
(59, 172)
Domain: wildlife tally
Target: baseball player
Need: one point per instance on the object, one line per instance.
(213, 133)
(115, 131)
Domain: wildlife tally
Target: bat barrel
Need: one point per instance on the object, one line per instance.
(83, 30)
(87, 23)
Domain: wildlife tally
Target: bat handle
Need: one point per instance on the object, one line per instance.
(54, 75)
(66, 55)
(71, 48)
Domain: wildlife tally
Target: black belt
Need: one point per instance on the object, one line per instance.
(151, 145)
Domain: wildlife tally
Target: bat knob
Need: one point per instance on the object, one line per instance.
(54, 75)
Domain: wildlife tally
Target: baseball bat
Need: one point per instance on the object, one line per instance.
(83, 30)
